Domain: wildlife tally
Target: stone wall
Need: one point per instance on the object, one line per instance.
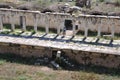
(24, 50)
(92, 58)
(56, 20)
(82, 57)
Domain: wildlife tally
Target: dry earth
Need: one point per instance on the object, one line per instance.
(17, 71)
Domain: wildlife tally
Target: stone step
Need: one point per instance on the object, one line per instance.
(67, 62)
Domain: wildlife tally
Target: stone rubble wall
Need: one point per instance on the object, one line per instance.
(55, 20)
(92, 58)
(24, 50)
(82, 57)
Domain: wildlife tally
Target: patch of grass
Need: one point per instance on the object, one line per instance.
(94, 34)
(23, 77)
(19, 72)
(85, 76)
(29, 29)
(41, 29)
(2, 61)
(40, 74)
(7, 26)
(46, 78)
(6, 78)
(52, 31)
(5, 32)
(101, 0)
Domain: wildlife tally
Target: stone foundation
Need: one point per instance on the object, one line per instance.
(82, 57)
(24, 50)
(98, 59)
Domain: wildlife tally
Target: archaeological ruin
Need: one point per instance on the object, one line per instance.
(104, 53)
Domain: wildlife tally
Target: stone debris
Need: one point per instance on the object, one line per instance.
(42, 61)
(58, 62)
(55, 65)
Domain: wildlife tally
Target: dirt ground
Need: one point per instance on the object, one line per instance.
(18, 71)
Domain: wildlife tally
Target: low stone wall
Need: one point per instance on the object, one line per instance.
(24, 50)
(82, 57)
(98, 59)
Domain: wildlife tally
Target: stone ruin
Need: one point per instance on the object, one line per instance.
(59, 21)
(83, 3)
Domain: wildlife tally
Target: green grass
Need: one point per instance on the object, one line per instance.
(2, 61)
(30, 31)
(94, 34)
(23, 77)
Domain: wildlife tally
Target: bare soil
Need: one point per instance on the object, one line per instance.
(17, 68)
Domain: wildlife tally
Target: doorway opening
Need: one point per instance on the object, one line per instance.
(68, 24)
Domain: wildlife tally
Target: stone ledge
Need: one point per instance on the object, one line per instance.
(56, 45)
(42, 48)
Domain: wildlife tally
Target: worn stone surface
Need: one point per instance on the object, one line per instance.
(100, 54)
(77, 43)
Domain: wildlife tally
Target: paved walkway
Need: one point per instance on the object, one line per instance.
(67, 42)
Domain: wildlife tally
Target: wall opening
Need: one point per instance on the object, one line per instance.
(21, 21)
(68, 24)
(54, 52)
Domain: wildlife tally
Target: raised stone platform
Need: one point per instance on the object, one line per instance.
(85, 51)
(89, 44)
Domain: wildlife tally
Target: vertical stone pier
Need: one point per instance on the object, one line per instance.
(47, 24)
(86, 29)
(112, 29)
(59, 25)
(36, 19)
(24, 23)
(1, 22)
(58, 29)
(12, 22)
(99, 28)
(62, 25)
(74, 30)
